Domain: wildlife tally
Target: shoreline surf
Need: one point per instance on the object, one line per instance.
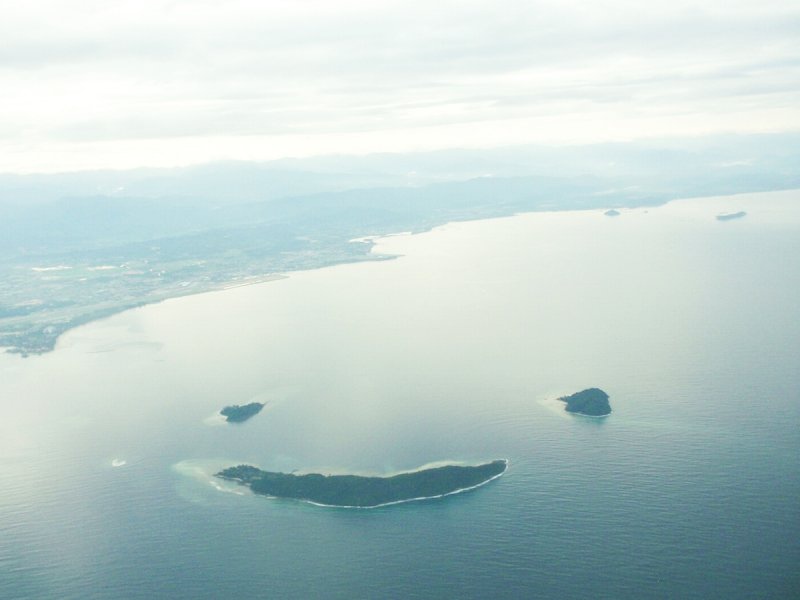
(247, 476)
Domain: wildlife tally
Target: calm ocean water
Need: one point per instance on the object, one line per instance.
(452, 352)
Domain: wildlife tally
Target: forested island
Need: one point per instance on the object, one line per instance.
(356, 491)
(237, 414)
(592, 402)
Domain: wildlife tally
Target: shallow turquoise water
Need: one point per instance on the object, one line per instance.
(452, 352)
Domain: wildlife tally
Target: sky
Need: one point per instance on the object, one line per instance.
(113, 84)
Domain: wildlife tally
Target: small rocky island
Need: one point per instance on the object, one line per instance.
(592, 402)
(356, 491)
(611, 212)
(731, 216)
(238, 414)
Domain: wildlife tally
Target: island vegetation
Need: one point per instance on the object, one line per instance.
(356, 491)
(237, 414)
(611, 212)
(592, 402)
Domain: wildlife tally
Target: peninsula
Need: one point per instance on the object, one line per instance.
(592, 402)
(237, 414)
(356, 491)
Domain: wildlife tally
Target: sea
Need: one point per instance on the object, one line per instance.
(455, 350)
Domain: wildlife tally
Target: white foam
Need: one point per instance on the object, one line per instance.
(580, 414)
(118, 462)
(46, 269)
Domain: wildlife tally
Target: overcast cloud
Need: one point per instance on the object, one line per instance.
(87, 84)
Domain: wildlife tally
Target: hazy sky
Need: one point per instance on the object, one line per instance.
(88, 84)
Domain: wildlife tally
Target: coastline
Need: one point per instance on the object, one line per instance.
(714, 203)
(506, 462)
(580, 414)
(458, 491)
(50, 344)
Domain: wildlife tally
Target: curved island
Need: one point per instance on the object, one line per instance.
(592, 402)
(356, 491)
(238, 414)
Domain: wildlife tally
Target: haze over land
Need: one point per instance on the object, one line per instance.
(408, 114)
(80, 246)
